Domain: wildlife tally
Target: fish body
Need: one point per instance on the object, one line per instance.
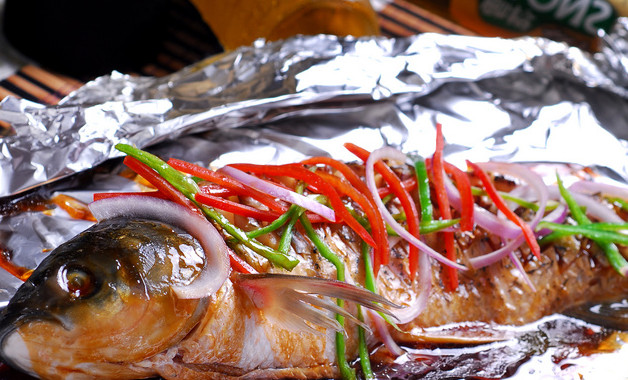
(103, 305)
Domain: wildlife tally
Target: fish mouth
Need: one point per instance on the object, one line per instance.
(14, 352)
(13, 349)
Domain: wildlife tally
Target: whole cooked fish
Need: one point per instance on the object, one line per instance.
(115, 301)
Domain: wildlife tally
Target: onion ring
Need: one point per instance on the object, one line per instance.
(216, 268)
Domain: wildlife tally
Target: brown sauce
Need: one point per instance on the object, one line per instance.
(18, 271)
(24, 204)
(75, 208)
(550, 349)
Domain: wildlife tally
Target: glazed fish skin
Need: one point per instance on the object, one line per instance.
(95, 311)
(571, 271)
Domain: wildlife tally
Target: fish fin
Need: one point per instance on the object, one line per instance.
(301, 318)
(281, 296)
(299, 308)
(333, 307)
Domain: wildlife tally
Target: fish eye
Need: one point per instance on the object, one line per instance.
(78, 282)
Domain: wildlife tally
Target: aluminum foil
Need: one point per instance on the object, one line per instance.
(486, 88)
(523, 100)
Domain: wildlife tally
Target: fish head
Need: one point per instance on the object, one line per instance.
(102, 301)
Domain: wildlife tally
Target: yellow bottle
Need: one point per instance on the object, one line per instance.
(240, 22)
(621, 6)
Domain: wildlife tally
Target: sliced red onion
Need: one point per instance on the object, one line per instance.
(412, 311)
(499, 226)
(594, 208)
(589, 187)
(280, 192)
(216, 269)
(393, 240)
(531, 178)
(394, 154)
(522, 192)
(495, 256)
(542, 193)
(517, 264)
(557, 216)
(382, 330)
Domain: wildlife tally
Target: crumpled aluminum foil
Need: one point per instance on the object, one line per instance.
(269, 82)
(524, 100)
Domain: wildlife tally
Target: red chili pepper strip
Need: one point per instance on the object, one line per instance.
(409, 184)
(155, 194)
(229, 183)
(236, 208)
(215, 189)
(438, 180)
(160, 183)
(238, 264)
(490, 189)
(377, 222)
(381, 252)
(344, 169)
(408, 205)
(297, 171)
(466, 196)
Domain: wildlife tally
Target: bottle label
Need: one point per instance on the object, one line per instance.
(586, 16)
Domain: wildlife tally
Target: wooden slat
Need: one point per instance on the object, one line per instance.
(34, 90)
(390, 28)
(4, 93)
(409, 12)
(61, 84)
(154, 70)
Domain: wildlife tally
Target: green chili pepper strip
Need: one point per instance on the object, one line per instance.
(189, 188)
(425, 228)
(370, 282)
(437, 225)
(345, 369)
(276, 224)
(558, 233)
(388, 198)
(553, 236)
(424, 192)
(611, 226)
(574, 207)
(615, 258)
(286, 236)
(592, 231)
(369, 275)
(365, 360)
(521, 202)
(433, 226)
